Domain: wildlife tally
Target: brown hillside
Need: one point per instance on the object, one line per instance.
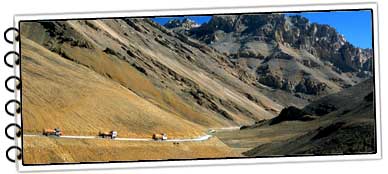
(60, 93)
(171, 71)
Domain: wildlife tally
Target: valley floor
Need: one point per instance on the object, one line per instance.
(43, 150)
(246, 139)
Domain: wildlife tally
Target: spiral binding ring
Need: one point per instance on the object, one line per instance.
(10, 29)
(17, 61)
(18, 86)
(18, 133)
(18, 109)
(19, 156)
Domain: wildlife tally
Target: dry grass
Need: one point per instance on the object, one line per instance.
(61, 93)
(85, 90)
(249, 138)
(38, 150)
(192, 71)
(121, 71)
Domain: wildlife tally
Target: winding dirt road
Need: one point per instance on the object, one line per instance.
(200, 138)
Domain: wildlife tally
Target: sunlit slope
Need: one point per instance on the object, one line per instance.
(61, 93)
(124, 74)
(176, 73)
(43, 150)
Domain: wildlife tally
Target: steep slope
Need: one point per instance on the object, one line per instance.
(138, 77)
(289, 53)
(345, 123)
(177, 74)
(60, 93)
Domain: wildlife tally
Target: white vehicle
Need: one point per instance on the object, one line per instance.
(210, 131)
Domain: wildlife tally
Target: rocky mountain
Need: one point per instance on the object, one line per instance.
(287, 52)
(180, 76)
(137, 77)
(182, 26)
(201, 71)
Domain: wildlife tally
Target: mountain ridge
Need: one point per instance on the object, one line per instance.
(301, 31)
(137, 77)
(328, 63)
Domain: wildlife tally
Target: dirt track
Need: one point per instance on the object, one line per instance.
(45, 150)
(201, 138)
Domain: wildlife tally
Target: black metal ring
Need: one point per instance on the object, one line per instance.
(16, 38)
(18, 133)
(18, 86)
(19, 156)
(17, 61)
(18, 109)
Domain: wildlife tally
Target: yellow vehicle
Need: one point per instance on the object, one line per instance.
(52, 132)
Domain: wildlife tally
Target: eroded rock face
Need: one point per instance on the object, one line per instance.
(181, 26)
(267, 36)
(322, 41)
(309, 86)
(271, 80)
(284, 52)
(306, 85)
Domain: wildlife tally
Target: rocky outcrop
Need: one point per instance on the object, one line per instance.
(181, 26)
(298, 32)
(271, 81)
(309, 86)
(291, 114)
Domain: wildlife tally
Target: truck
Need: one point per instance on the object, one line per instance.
(160, 137)
(52, 132)
(111, 134)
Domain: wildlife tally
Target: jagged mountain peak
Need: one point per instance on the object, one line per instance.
(320, 40)
(290, 30)
(185, 24)
(287, 52)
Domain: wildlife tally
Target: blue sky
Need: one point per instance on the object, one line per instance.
(198, 19)
(356, 26)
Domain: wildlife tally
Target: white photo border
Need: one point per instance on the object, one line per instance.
(210, 162)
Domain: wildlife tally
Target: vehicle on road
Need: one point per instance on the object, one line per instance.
(52, 132)
(111, 134)
(160, 137)
(211, 131)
